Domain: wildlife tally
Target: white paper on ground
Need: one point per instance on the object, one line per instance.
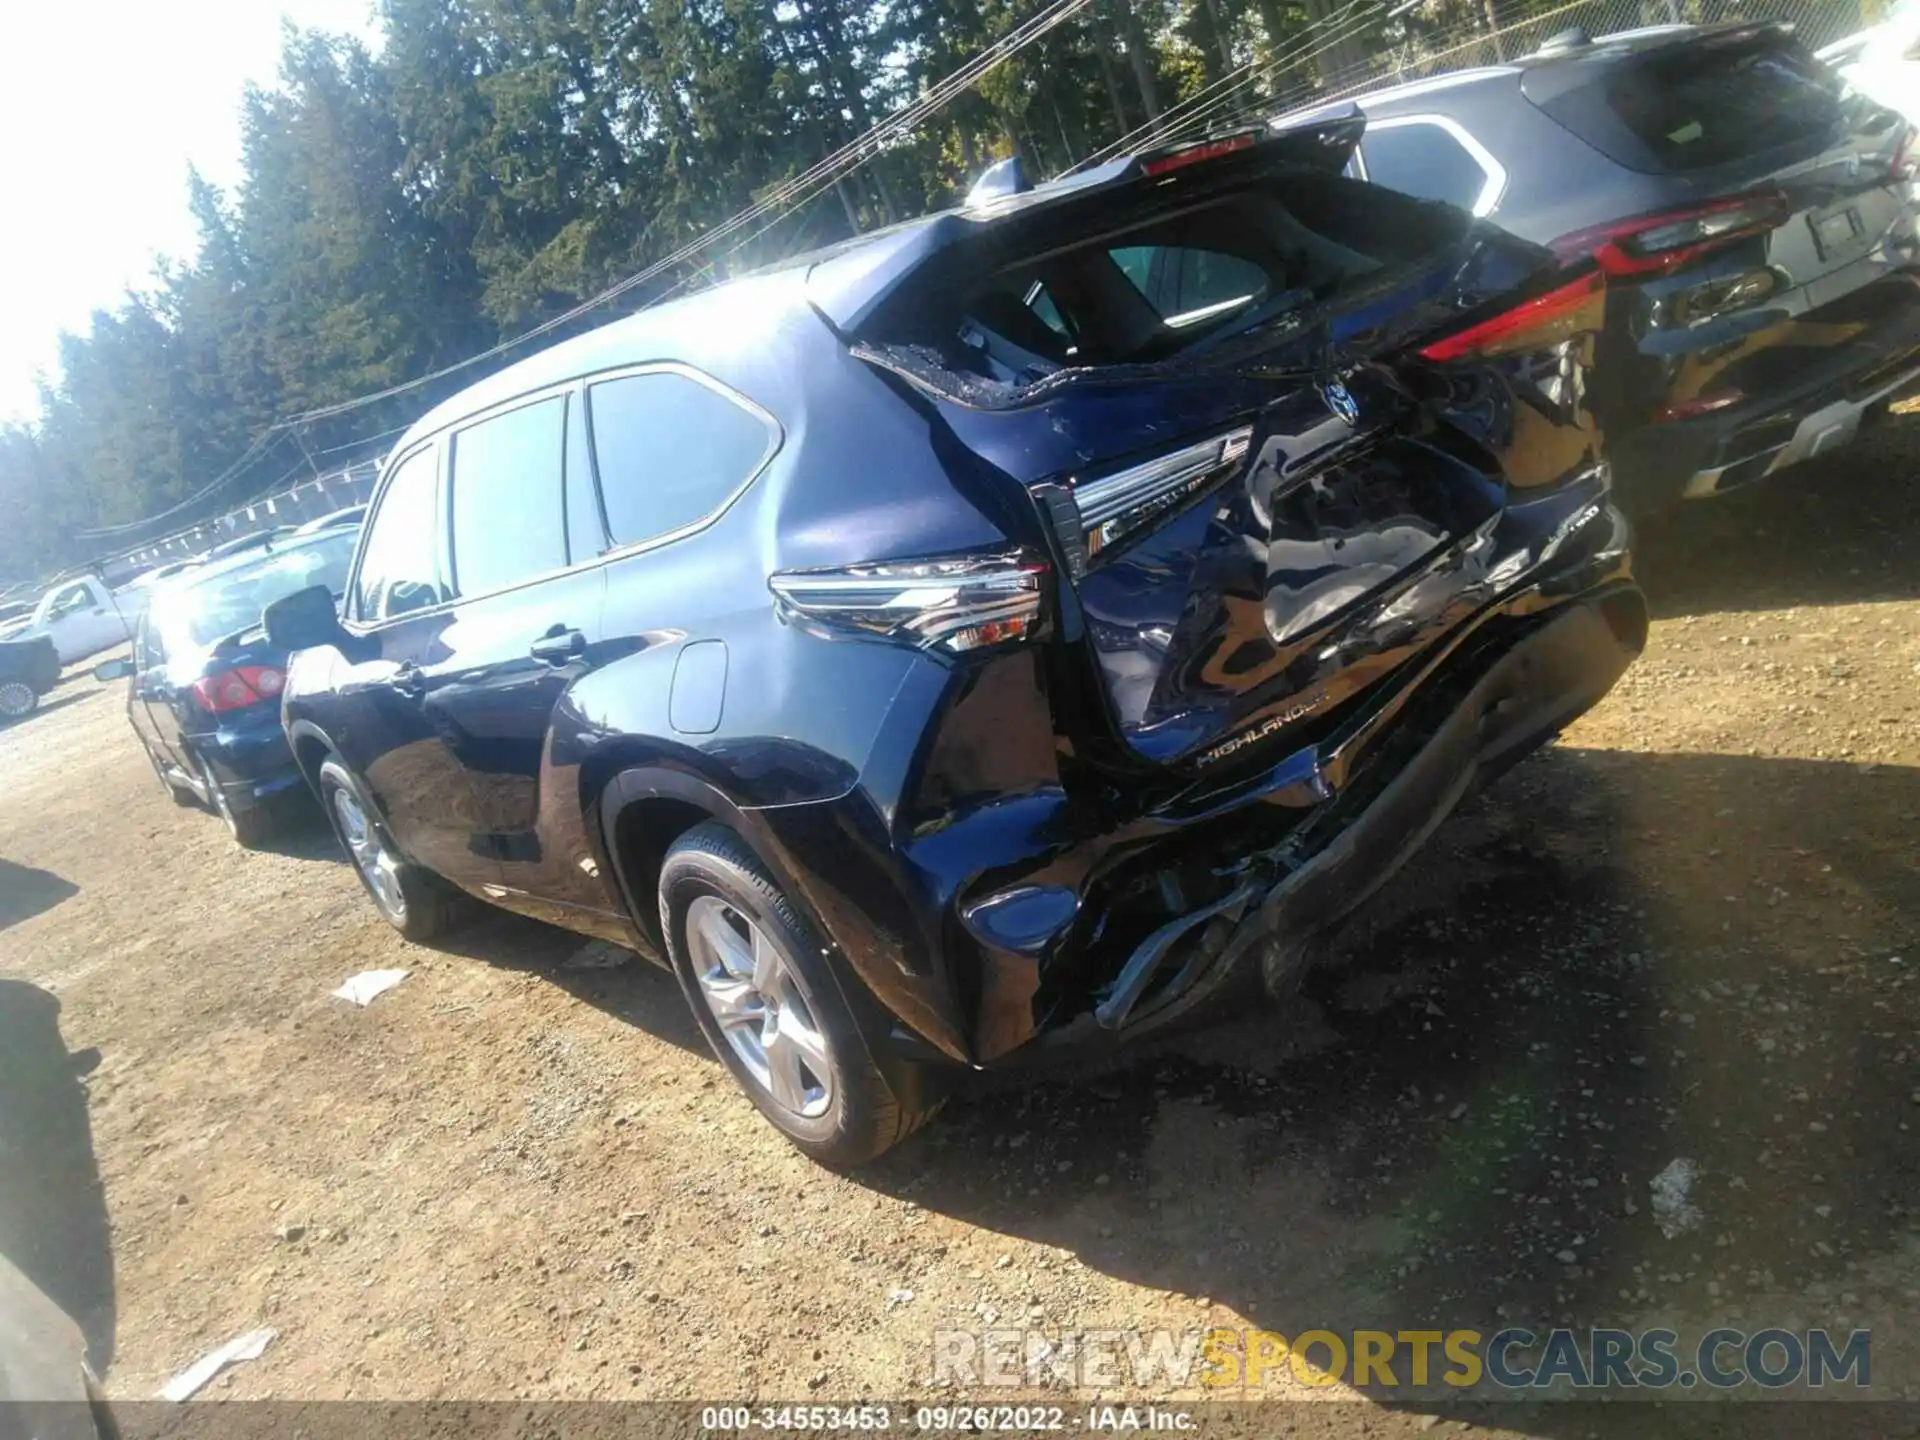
(362, 988)
(250, 1346)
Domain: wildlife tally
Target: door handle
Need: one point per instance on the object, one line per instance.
(410, 679)
(558, 647)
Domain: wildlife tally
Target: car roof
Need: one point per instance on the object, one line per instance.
(841, 283)
(1600, 48)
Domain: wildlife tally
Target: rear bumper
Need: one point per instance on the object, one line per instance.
(250, 763)
(1525, 692)
(1025, 911)
(1811, 381)
(1818, 432)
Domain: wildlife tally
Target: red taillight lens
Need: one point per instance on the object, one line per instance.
(1194, 154)
(1655, 244)
(1533, 324)
(238, 688)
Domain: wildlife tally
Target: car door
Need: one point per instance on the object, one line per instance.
(71, 622)
(149, 704)
(385, 725)
(527, 624)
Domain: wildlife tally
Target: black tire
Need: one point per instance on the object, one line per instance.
(422, 905)
(868, 1107)
(18, 699)
(185, 799)
(250, 828)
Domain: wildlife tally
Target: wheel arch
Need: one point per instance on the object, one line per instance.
(643, 809)
(311, 748)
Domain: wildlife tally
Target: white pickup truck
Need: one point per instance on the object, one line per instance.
(80, 615)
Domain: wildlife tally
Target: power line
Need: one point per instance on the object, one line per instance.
(254, 453)
(783, 198)
(820, 176)
(1234, 81)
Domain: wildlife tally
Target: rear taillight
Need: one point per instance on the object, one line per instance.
(1194, 154)
(1537, 324)
(954, 604)
(238, 688)
(1654, 244)
(1095, 515)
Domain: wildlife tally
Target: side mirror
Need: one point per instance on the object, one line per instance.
(304, 619)
(113, 669)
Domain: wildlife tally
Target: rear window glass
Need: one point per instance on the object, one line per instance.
(187, 618)
(1693, 107)
(1144, 293)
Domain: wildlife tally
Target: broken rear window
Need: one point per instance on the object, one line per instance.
(1144, 288)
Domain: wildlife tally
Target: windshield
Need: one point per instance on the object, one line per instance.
(192, 614)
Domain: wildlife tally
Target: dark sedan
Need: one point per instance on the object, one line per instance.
(1752, 215)
(205, 691)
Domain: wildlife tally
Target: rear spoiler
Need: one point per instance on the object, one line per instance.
(850, 285)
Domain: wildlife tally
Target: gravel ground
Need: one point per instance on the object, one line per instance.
(1686, 930)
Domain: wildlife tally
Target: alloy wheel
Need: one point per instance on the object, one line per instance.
(757, 999)
(16, 699)
(376, 863)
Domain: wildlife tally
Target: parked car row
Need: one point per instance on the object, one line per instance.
(204, 696)
(81, 615)
(1034, 624)
(1754, 219)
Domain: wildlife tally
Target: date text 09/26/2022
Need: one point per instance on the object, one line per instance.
(957, 1418)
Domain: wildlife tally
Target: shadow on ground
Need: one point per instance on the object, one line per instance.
(1838, 530)
(53, 1213)
(633, 991)
(1611, 961)
(26, 891)
(44, 709)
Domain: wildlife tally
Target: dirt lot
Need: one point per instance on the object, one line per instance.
(1689, 929)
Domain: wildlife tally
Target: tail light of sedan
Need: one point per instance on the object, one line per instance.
(238, 688)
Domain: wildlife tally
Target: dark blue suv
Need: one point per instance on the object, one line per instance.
(962, 641)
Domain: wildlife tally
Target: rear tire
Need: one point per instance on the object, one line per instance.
(17, 700)
(185, 799)
(417, 904)
(250, 828)
(751, 969)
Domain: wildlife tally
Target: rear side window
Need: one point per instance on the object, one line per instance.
(1425, 161)
(1186, 285)
(509, 517)
(69, 601)
(1695, 106)
(399, 570)
(671, 451)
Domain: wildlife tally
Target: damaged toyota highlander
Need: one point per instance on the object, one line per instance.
(1025, 626)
